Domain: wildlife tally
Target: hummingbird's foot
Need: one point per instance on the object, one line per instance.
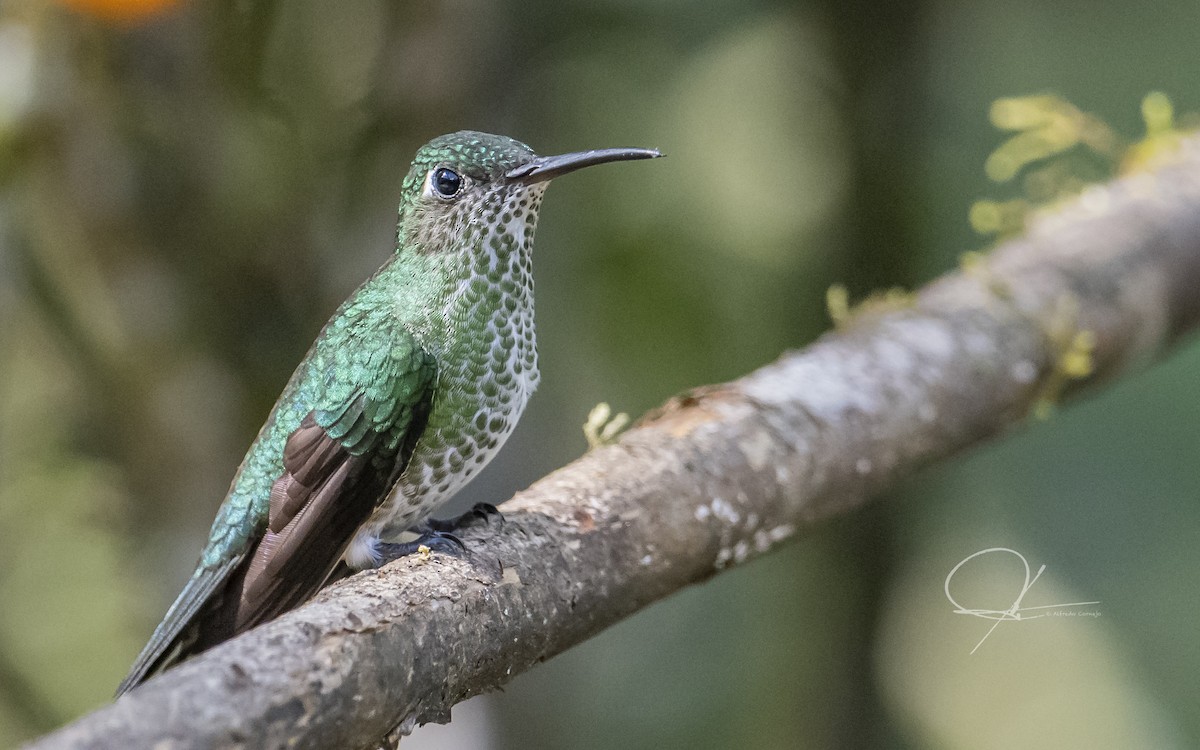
(431, 541)
(482, 514)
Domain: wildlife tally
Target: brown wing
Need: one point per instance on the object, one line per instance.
(326, 492)
(324, 495)
(337, 466)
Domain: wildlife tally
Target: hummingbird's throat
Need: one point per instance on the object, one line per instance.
(485, 220)
(498, 242)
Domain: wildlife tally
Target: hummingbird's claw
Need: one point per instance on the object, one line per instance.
(432, 541)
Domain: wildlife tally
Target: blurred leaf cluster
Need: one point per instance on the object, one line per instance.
(188, 189)
(1062, 150)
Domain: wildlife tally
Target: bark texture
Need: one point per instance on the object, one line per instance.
(713, 479)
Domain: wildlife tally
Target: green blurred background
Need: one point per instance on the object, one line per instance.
(186, 194)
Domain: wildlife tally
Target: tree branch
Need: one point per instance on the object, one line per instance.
(713, 479)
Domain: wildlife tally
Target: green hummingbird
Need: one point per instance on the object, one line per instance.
(408, 392)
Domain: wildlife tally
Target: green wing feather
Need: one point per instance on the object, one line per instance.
(335, 467)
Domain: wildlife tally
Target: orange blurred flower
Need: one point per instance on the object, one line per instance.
(120, 11)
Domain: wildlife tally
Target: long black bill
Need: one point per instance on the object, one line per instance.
(545, 167)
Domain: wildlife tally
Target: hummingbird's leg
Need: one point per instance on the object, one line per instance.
(481, 514)
(437, 535)
(436, 541)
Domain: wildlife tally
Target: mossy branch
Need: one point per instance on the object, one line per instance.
(713, 479)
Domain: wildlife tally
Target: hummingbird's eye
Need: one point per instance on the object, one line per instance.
(446, 182)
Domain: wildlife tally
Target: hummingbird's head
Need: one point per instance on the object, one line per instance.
(470, 190)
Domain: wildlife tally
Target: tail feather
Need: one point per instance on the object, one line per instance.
(176, 636)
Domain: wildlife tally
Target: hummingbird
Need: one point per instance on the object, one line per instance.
(408, 392)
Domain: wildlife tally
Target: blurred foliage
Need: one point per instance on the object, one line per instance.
(602, 426)
(188, 189)
(1062, 150)
(843, 314)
